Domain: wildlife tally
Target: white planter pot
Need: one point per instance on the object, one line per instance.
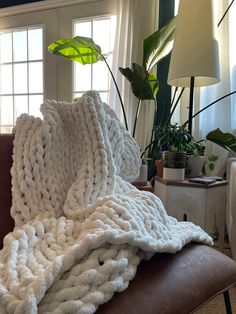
(194, 165)
(142, 174)
(215, 159)
(174, 174)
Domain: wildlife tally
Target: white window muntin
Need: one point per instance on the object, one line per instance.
(95, 76)
(25, 66)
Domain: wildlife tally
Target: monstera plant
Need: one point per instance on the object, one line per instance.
(225, 140)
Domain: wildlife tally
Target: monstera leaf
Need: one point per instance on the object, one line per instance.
(144, 85)
(158, 45)
(225, 140)
(80, 49)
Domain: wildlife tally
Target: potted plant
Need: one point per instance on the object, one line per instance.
(171, 143)
(219, 147)
(179, 150)
(195, 158)
(175, 139)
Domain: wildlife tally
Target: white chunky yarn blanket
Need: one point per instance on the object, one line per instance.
(81, 228)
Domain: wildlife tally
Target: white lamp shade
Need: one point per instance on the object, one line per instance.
(195, 50)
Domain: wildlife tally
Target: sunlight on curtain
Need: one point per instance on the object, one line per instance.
(222, 114)
(136, 19)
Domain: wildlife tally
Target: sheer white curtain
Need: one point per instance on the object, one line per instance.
(223, 113)
(136, 19)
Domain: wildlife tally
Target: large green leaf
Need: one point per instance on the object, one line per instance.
(80, 49)
(144, 85)
(225, 140)
(158, 45)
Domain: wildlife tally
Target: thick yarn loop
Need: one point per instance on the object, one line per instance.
(81, 227)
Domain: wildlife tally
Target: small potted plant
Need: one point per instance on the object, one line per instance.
(173, 143)
(195, 158)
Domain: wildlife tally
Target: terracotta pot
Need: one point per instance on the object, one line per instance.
(159, 167)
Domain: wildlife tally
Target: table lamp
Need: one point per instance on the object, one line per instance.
(195, 57)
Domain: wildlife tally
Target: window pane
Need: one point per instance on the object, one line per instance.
(35, 37)
(35, 77)
(101, 26)
(21, 74)
(102, 30)
(76, 96)
(6, 129)
(21, 105)
(20, 78)
(6, 47)
(82, 77)
(104, 97)
(100, 76)
(35, 102)
(20, 45)
(6, 79)
(6, 110)
(83, 29)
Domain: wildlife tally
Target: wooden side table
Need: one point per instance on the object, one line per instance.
(204, 205)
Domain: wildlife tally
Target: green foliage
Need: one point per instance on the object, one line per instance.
(174, 138)
(158, 45)
(155, 47)
(195, 148)
(80, 49)
(84, 51)
(144, 85)
(225, 140)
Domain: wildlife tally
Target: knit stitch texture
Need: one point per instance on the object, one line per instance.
(81, 227)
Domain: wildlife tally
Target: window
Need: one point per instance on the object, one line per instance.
(21, 74)
(29, 74)
(95, 76)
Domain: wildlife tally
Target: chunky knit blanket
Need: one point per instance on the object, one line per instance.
(81, 228)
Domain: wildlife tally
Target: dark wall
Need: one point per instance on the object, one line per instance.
(10, 3)
(166, 12)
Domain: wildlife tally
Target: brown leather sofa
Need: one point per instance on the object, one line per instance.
(167, 284)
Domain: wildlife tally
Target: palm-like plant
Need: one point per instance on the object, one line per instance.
(144, 82)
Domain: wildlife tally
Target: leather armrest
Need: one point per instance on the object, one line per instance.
(6, 221)
(175, 283)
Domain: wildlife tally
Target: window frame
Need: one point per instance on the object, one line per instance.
(56, 17)
(108, 54)
(13, 63)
